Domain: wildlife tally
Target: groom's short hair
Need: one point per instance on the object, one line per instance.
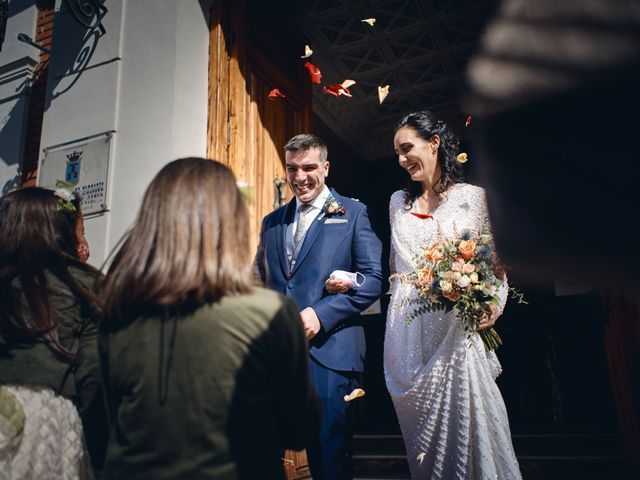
(307, 141)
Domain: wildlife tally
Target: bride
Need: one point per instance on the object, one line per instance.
(451, 413)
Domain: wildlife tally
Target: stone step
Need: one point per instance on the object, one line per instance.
(541, 457)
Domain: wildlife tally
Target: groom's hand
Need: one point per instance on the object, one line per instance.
(310, 322)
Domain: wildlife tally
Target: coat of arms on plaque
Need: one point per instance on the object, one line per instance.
(72, 172)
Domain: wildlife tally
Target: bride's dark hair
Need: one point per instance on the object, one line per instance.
(426, 125)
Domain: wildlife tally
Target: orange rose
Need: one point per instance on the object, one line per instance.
(466, 248)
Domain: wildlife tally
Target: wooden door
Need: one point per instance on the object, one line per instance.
(252, 52)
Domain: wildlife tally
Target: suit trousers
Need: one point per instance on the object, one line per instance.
(330, 456)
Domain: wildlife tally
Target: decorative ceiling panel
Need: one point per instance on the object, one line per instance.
(419, 48)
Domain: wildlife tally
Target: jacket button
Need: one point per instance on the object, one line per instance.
(290, 285)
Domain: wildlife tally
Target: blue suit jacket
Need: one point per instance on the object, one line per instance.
(340, 242)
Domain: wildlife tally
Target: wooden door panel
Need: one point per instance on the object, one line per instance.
(247, 131)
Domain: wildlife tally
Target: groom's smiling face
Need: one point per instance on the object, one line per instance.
(306, 173)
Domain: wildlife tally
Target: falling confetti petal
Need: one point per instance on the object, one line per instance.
(314, 72)
(336, 90)
(275, 93)
(382, 93)
(307, 52)
(348, 83)
(421, 457)
(462, 157)
(358, 392)
(468, 122)
(370, 21)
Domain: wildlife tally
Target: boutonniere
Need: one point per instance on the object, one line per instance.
(332, 207)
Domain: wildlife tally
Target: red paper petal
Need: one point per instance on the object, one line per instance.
(314, 72)
(275, 93)
(337, 90)
(468, 122)
(421, 215)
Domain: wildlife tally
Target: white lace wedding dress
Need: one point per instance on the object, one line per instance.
(452, 415)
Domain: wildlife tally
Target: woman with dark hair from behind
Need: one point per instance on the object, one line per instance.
(49, 367)
(207, 376)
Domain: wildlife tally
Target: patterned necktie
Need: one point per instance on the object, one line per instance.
(302, 223)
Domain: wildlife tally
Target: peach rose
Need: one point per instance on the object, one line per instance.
(456, 266)
(434, 253)
(468, 268)
(466, 248)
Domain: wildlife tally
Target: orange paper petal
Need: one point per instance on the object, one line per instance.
(314, 72)
(275, 93)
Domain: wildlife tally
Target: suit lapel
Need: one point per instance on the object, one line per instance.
(281, 232)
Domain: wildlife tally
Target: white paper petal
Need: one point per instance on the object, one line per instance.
(307, 52)
(383, 92)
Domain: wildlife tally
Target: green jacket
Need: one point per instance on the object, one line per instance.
(218, 392)
(34, 363)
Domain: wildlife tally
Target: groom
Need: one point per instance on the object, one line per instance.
(301, 243)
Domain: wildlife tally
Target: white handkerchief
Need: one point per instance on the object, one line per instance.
(351, 277)
(336, 220)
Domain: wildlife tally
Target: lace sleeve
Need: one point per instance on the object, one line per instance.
(503, 294)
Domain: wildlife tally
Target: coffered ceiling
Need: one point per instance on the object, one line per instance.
(418, 47)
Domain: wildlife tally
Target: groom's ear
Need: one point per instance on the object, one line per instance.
(326, 166)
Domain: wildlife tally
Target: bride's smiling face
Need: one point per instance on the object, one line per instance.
(416, 155)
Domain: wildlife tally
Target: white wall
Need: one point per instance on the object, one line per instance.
(17, 61)
(147, 80)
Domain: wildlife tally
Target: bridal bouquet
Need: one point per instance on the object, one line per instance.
(459, 274)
